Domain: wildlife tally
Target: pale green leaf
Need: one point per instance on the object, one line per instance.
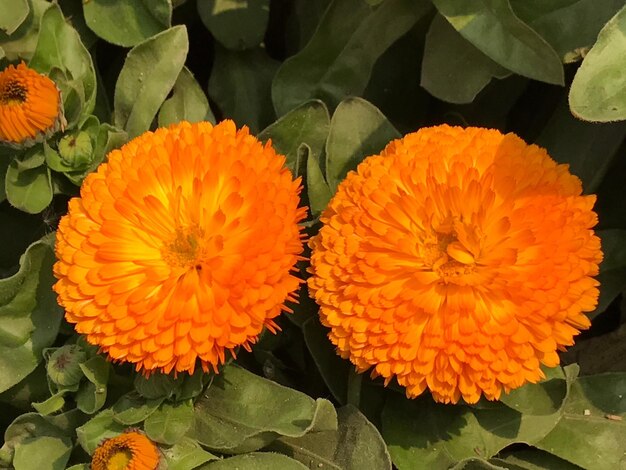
(491, 26)
(338, 60)
(42, 453)
(149, 73)
(236, 24)
(170, 422)
(255, 461)
(598, 91)
(12, 14)
(127, 23)
(188, 102)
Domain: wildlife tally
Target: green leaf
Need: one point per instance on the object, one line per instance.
(237, 24)
(21, 44)
(53, 404)
(333, 369)
(318, 190)
(301, 22)
(438, 435)
(186, 454)
(59, 46)
(255, 461)
(534, 459)
(570, 26)
(491, 26)
(12, 14)
(33, 388)
(587, 148)
(598, 92)
(132, 408)
(149, 73)
(338, 60)
(357, 130)
(29, 313)
(170, 422)
(42, 453)
(100, 427)
(242, 412)
(158, 385)
(92, 394)
(188, 102)
(30, 190)
(240, 84)
(307, 124)
(127, 23)
(453, 69)
(355, 445)
(592, 429)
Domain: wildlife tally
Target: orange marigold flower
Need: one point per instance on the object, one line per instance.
(180, 247)
(128, 451)
(30, 106)
(458, 260)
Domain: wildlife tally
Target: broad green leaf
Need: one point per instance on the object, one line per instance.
(491, 26)
(570, 26)
(357, 130)
(59, 46)
(53, 404)
(533, 459)
(33, 388)
(29, 190)
(598, 92)
(170, 422)
(612, 275)
(453, 69)
(332, 368)
(186, 454)
(22, 43)
(149, 73)
(102, 426)
(356, 444)
(242, 412)
(93, 392)
(592, 429)
(318, 190)
(338, 60)
(29, 313)
(479, 464)
(73, 11)
(438, 435)
(157, 386)
(42, 453)
(587, 148)
(307, 124)
(127, 23)
(237, 24)
(240, 84)
(12, 14)
(301, 22)
(188, 102)
(132, 408)
(255, 461)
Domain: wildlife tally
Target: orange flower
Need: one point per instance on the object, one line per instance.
(458, 260)
(128, 451)
(181, 247)
(30, 106)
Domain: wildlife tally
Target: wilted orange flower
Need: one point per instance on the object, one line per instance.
(458, 260)
(180, 247)
(128, 451)
(30, 106)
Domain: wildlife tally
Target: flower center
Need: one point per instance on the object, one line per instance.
(445, 255)
(120, 460)
(185, 249)
(13, 92)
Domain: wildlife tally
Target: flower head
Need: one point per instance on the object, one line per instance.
(30, 106)
(458, 260)
(128, 451)
(180, 247)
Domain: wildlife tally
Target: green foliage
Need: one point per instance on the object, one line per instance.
(149, 73)
(598, 92)
(328, 82)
